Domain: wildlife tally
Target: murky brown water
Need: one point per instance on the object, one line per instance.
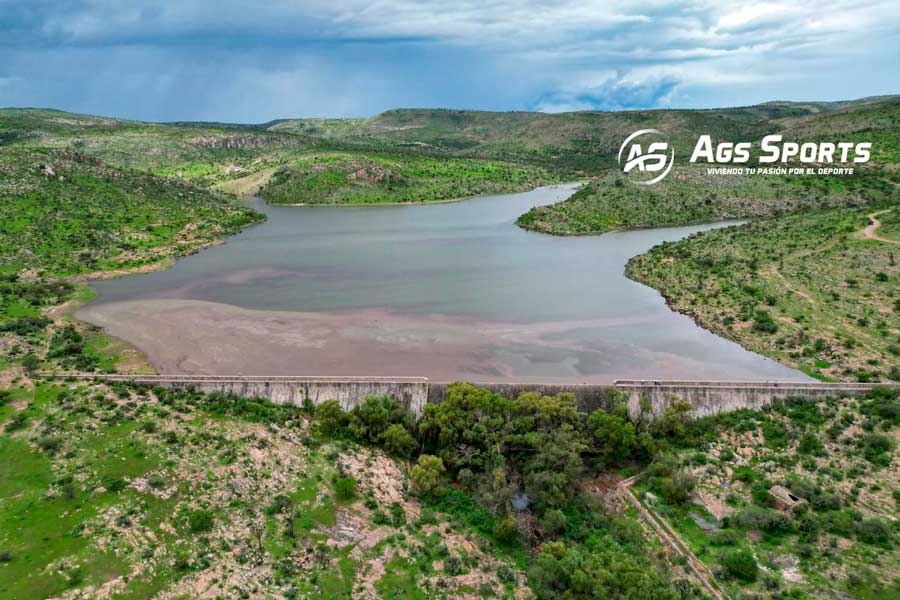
(448, 291)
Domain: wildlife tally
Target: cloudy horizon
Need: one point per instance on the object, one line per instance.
(224, 61)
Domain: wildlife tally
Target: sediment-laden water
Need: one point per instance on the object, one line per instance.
(447, 291)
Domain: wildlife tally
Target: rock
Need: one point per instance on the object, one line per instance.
(48, 171)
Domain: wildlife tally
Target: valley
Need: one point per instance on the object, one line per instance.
(120, 490)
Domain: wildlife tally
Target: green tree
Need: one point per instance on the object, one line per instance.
(398, 441)
(428, 473)
(600, 568)
(370, 419)
(465, 426)
(614, 433)
(332, 420)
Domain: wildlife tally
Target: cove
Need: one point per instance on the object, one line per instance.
(447, 291)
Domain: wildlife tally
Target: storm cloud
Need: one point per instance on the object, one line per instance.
(250, 62)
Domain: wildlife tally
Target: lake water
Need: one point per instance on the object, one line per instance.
(451, 290)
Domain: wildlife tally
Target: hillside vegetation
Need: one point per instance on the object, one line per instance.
(808, 289)
(128, 492)
(345, 178)
(64, 212)
(690, 195)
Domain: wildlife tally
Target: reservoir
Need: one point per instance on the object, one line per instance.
(447, 291)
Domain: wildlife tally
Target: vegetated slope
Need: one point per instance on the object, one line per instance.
(806, 289)
(203, 154)
(64, 213)
(571, 143)
(690, 195)
(877, 122)
(243, 159)
(133, 492)
(342, 177)
(837, 456)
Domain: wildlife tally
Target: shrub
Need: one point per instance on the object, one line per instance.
(877, 448)
(763, 322)
(370, 420)
(740, 564)
(614, 433)
(200, 520)
(553, 523)
(332, 420)
(345, 487)
(810, 444)
(724, 537)
(506, 530)
(428, 473)
(873, 531)
(678, 487)
(762, 519)
(398, 441)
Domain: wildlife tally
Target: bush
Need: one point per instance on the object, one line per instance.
(332, 420)
(345, 487)
(200, 520)
(762, 519)
(874, 531)
(615, 435)
(506, 530)
(428, 473)
(678, 487)
(553, 523)
(740, 564)
(810, 444)
(763, 322)
(371, 419)
(877, 448)
(398, 441)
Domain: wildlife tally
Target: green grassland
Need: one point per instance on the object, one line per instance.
(352, 178)
(805, 289)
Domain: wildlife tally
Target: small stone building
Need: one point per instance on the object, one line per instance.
(783, 499)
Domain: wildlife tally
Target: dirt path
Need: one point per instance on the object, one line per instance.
(870, 231)
(671, 538)
(787, 284)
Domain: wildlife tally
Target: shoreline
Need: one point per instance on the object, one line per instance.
(162, 365)
(415, 202)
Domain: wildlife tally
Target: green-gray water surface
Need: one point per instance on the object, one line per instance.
(527, 305)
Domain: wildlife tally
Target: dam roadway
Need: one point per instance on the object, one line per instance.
(706, 397)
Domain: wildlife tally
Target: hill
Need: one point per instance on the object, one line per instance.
(68, 213)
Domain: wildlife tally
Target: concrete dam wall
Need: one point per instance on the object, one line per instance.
(413, 393)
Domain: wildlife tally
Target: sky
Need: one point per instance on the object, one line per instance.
(249, 62)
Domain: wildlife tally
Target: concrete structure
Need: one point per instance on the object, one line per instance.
(783, 499)
(410, 392)
(713, 397)
(706, 397)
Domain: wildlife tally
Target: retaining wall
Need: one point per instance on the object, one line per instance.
(706, 397)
